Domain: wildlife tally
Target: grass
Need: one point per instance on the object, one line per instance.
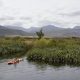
(10, 47)
(58, 50)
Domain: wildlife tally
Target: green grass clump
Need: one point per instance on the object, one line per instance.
(54, 55)
(58, 50)
(41, 43)
(12, 47)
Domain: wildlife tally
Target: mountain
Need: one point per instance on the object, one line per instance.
(6, 31)
(74, 31)
(15, 27)
(33, 29)
(54, 31)
(77, 27)
(48, 30)
(62, 32)
(51, 30)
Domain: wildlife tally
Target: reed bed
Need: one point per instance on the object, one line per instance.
(12, 46)
(58, 50)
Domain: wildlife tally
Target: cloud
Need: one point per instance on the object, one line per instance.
(64, 13)
(72, 14)
(6, 18)
(0, 2)
(25, 18)
(76, 13)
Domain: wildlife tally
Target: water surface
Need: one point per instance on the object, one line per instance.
(32, 71)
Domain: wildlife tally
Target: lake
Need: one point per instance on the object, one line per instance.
(26, 70)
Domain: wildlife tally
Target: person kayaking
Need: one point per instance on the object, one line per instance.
(14, 61)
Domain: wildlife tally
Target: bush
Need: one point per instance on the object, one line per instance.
(10, 47)
(64, 50)
(68, 56)
(41, 43)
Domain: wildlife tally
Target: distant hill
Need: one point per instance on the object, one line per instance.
(49, 31)
(4, 31)
(54, 31)
(47, 28)
(77, 27)
(15, 27)
(33, 29)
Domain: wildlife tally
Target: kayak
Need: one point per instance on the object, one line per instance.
(14, 61)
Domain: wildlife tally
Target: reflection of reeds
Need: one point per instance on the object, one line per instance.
(56, 50)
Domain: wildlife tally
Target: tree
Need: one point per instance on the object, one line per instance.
(40, 34)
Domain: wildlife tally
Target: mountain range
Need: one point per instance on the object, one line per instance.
(53, 31)
(8, 31)
(48, 30)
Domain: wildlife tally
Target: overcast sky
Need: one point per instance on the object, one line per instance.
(34, 13)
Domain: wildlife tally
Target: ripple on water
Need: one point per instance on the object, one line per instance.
(33, 71)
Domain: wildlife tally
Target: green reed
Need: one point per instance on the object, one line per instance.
(12, 46)
(58, 50)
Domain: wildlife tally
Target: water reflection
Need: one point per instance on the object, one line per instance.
(43, 66)
(15, 65)
(29, 70)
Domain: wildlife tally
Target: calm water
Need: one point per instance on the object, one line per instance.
(32, 71)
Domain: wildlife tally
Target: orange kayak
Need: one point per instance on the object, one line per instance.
(14, 61)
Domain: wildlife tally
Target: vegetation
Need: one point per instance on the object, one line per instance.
(10, 47)
(58, 50)
(40, 34)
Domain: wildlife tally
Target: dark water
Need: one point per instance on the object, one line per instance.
(32, 71)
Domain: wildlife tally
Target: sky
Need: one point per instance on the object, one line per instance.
(36, 13)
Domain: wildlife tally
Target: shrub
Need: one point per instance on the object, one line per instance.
(41, 43)
(53, 55)
(10, 47)
(70, 54)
